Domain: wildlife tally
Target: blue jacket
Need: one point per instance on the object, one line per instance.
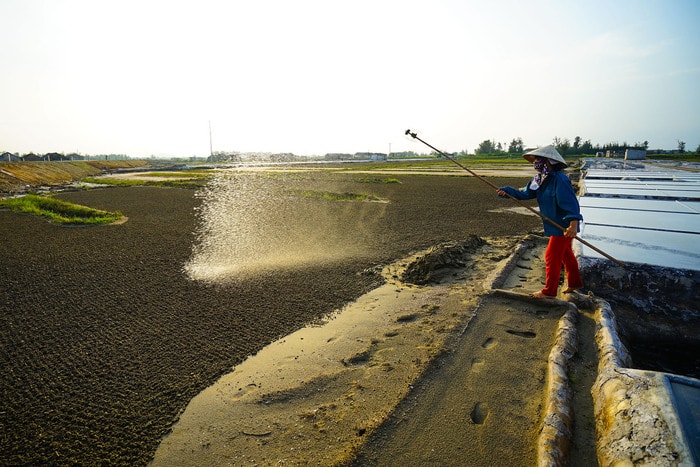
(556, 199)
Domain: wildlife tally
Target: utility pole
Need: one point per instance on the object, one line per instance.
(211, 147)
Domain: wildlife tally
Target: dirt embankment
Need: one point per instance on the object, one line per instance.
(23, 176)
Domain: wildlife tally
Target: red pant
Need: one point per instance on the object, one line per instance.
(559, 253)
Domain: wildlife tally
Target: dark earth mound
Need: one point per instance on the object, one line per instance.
(439, 260)
(103, 339)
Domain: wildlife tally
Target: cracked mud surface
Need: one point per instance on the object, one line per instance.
(104, 340)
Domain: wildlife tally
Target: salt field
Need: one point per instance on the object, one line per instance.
(643, 213)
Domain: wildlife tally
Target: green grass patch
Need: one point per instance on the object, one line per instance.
(378, 180)
(180, 174)
(333, 196)
(187, 183)
(61, 212)
(113, 181)
(685, 157)
(184, 183)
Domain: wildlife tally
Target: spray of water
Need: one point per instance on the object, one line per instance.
(250, 222)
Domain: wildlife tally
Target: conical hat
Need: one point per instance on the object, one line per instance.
(550, 152)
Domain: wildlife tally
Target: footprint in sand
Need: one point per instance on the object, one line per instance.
(488, 343)
(477, 364)
(525, 334)
(479, 413)
(242, 391)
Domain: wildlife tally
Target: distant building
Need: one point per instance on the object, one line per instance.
(53, 156)
(8, 157)
(337, 156)
(635, 154)
(370, 156)
(31, 157)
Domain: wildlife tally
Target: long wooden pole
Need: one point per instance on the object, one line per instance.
(414, 135)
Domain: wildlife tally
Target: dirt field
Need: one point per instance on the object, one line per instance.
(104, 340)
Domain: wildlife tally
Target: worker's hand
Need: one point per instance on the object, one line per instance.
(500, 192)
(572, 230)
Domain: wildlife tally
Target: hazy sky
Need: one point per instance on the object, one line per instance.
(146, 77)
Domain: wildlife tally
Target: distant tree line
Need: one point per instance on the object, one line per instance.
(566, 147)
(516, 146)
(488, 146)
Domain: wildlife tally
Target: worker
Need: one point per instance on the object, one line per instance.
(557, 201)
